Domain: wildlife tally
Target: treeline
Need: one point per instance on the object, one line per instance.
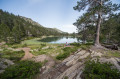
(14, 28)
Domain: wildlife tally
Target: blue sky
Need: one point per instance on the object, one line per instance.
(49, 13)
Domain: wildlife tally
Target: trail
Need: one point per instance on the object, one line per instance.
(49, 64)
(27, 55)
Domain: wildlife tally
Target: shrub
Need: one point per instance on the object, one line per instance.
(13, 55)
(24, 45)
(63, 56)
(22, 70)
(75, 44)
(38, 52)
(43, 45)
(86, 46)
(100, 71)
(66, 49)
(83, 46)
(66, 53)
(66, 77)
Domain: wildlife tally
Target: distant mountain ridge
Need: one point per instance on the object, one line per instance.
(36, 23)
(30, 21)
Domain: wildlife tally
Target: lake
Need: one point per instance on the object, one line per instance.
(59, 40)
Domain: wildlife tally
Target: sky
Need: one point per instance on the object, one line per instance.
(49, 13)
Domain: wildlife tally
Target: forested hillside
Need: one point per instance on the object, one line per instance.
(14, 28)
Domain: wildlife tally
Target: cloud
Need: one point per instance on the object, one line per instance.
(68, 28)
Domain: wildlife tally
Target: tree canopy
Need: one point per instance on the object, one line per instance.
(96, 10)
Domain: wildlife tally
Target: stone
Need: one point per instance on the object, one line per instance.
(1, 71)
(69, 70)
(45, 47)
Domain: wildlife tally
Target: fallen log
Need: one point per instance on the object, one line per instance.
(113, 47)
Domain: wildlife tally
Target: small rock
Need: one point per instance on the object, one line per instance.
(45, 47)
(43, 67)
(1, 49)
(1, 71)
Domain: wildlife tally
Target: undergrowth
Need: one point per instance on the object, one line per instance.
(66, 52)
(21, 70)
(12, 55)
(100, 71)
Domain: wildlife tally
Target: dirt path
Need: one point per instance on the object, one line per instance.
(41, 58)
(27, 55)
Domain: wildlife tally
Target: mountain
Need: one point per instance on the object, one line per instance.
(59, 30)
(17, 27)
(36, 23)
(31, 21)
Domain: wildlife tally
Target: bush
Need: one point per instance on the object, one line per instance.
(86, 46)
(43, 45)
(63, 56)
(22, 70)
(66, 53)
(83, 46)
(75, 44)
(13, 55)
(38, 52)
(100, 71)
(24, 45)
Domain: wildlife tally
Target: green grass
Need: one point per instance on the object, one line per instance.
(21, 70)
(112, 54)
(100, 71)
(32, 41)
(66, 77)
(82, 46)
(53, 49)
(36, 53)
(75, 44)
(50, 50)
(17, 45)
(66, 52)
(12, 55)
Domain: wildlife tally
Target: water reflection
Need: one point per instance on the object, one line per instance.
(61, 39)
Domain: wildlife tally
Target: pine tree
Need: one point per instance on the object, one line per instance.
(4, 32)
(99, 8)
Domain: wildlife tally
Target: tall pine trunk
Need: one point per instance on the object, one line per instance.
(84, 36)
(97, 35)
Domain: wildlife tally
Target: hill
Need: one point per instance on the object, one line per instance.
(15, 27)
(36, 23)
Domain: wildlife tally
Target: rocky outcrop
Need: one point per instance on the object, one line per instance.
(49, 62)
(72, 67)
(4, 63)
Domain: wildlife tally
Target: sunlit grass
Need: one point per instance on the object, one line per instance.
(32, 41)
(112, 54)
(48, 49)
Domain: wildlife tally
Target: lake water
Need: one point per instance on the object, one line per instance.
(59, 40)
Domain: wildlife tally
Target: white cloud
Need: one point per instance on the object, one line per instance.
(68, 28)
